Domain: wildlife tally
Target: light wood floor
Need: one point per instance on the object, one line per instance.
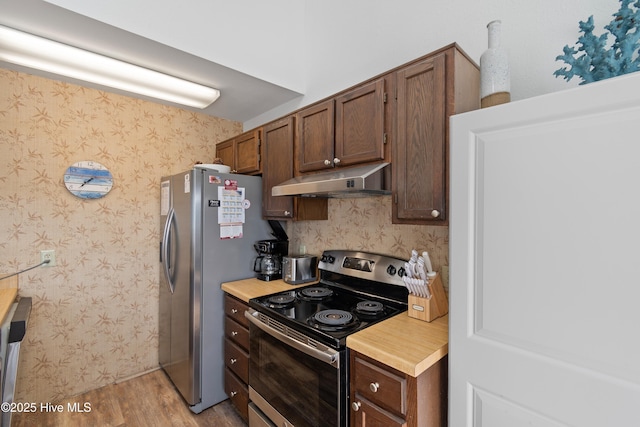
(149, 400)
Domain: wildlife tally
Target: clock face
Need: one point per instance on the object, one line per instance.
(88, 180)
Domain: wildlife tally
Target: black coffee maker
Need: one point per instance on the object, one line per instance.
(268, 263)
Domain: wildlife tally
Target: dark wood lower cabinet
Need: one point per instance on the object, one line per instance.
(238, 393)
(383, 396)
(236, 355)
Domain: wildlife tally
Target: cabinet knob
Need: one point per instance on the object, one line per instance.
(233, 393)
(327, 162)
(234, 333)
(233, 361)
(435, 213)
(234, 311)
(356, 406)
(287, 213)
(336, 161)
(374, 387)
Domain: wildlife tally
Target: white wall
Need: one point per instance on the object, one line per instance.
(350, 41)
(321, 47)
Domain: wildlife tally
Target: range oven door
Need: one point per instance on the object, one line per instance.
(292, 381)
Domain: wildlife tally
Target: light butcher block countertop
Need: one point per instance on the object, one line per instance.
(253, 288)
(7, 297)
(406, 344)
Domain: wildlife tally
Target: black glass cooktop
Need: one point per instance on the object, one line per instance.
(326, 312)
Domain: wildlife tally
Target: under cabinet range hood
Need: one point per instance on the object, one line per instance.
(359, 181)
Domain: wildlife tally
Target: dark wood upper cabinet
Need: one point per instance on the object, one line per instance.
(315, 137)
(248, 155)
(428, 93)
(342, 131)
(360, 125)
(400, 117)
(278, 167)
(242, 153)
(226, 151)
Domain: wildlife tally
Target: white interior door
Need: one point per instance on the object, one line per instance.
(545, 260)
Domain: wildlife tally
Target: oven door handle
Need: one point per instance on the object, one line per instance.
(329, 355)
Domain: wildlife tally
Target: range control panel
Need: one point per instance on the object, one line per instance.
(370, 266)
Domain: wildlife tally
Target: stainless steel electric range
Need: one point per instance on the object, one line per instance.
(298, 369)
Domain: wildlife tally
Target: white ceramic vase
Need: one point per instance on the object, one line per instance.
(495, 77)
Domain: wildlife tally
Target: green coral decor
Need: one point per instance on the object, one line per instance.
(599, 62)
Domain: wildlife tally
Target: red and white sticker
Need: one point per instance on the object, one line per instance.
(230, 184)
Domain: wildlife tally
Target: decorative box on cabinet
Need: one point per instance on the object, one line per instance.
(242, 153)
(429, 91)
(236, 354)
(383, 396)
(277, 168)
(343, 131)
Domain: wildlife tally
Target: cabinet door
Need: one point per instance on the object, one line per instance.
(315, 137)
(360, 125)
(420, 160)
(277, 167)
(225, 150)
(238, 392)
(247, 152)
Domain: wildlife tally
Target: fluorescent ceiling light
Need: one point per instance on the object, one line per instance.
(36, 52)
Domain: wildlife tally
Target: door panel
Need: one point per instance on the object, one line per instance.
(164, 327)
(315, 137)
(544, 234)
(181, 309)
(278, 167)
(360, 125)
(421, 144)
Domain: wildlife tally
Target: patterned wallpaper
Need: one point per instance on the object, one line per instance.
(95, 314)
(365, 224)
(94, 319)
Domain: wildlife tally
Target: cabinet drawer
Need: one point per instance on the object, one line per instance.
(237, 333)
(235, 309)
(238, 392)
(236, 359)
(370, 415)
(381, 386)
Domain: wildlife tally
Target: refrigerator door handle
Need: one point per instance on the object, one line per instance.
(166, 243)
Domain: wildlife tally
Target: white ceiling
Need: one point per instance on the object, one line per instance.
(242, 96)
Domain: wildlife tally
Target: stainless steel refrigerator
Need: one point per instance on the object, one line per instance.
(209, 223)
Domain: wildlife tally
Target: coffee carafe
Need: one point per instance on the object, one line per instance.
(268, 266)
(268, 263)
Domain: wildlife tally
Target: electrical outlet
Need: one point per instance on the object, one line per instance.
(49, 255)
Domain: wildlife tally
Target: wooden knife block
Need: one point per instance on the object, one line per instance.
(429, 309)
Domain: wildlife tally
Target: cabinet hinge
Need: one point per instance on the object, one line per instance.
(384, 98)
(384, 138)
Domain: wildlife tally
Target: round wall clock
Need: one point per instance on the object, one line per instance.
(88, 180)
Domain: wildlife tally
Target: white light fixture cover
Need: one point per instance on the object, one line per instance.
(36, 52)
